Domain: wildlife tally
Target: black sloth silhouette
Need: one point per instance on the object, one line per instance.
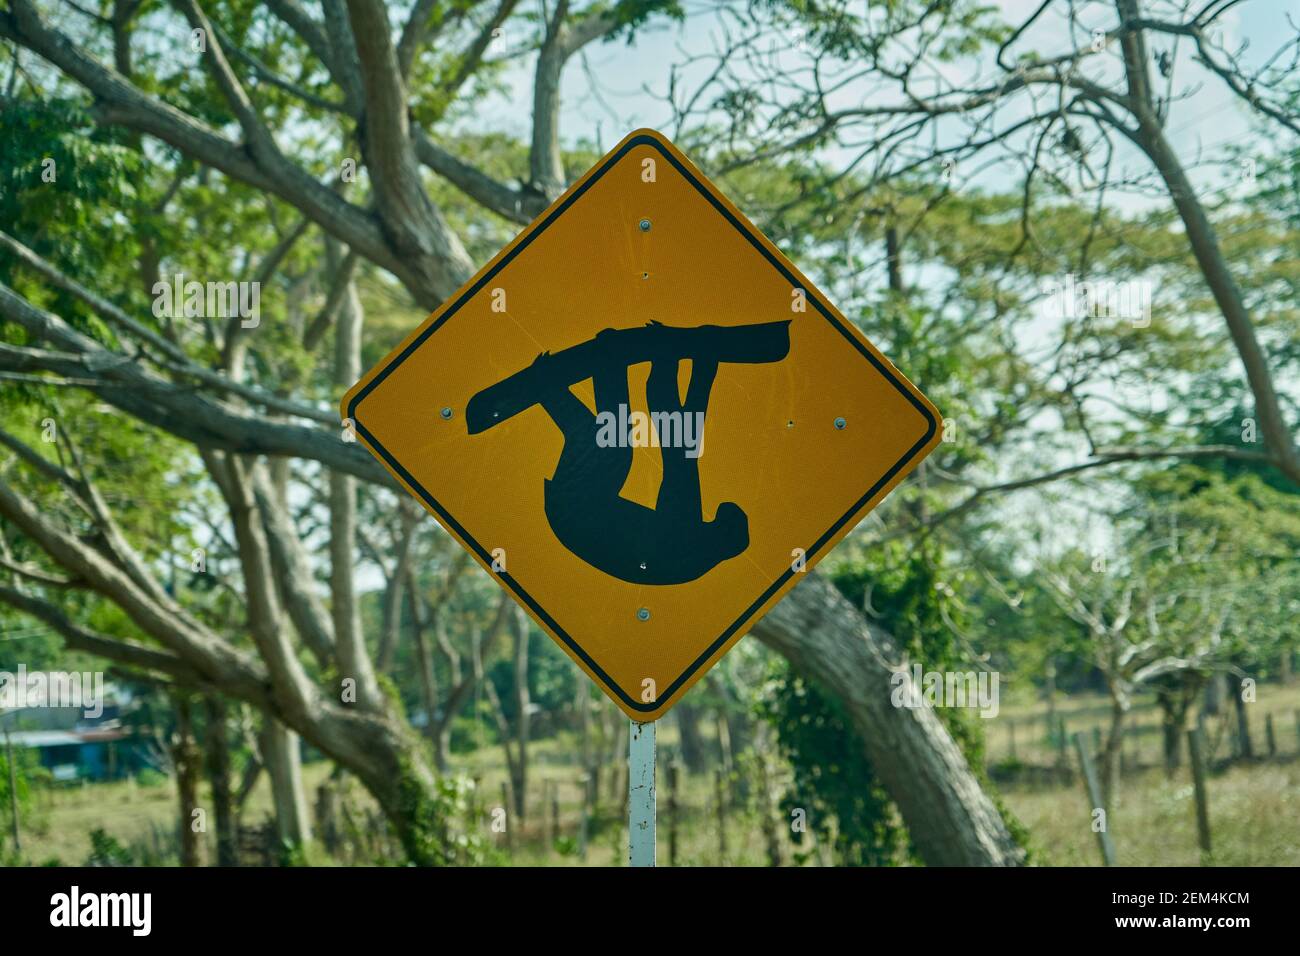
(670, 543)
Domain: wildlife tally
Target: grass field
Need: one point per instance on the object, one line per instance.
(1254, 806)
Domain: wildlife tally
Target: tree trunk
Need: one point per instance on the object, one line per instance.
(590, 769)
(441, 734)
(768, 800)
(280, 750)
(354, 662)
(1245, 747)
(618, 760)
(424, 661)
(1210, 258)
(1110, 757)
(391, 624)
(188, 761)
(1216, 691)
(694, 754)
(1049, 696)
(461, 686)
(329, 797)
(218, 763)
(390, 760)
(1171, 726)
(740, 729)
(523, 706)
(950, 818)
(1175, 702)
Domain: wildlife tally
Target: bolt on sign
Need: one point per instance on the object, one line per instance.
(644, 422)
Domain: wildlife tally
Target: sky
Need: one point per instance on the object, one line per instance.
(632, 81)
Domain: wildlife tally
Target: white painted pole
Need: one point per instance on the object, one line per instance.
(641, 795)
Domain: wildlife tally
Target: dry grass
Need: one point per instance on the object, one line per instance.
(1254, 807)
(1254, 819)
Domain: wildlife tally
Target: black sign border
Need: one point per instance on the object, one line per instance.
(662, 700)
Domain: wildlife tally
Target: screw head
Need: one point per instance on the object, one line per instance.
(643, 614)
(644, 225)
(840, 423)
(446, 413)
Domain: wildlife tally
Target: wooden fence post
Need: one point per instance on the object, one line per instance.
(13, 793)
(506, 806)
(1245, 746)
(769, 807)
(477, 801)
(720, 798)
(1093, 789)
(548, 838)
(1194, 740)
(586, 781)
(1269, 737)
(674, 775)
(555, 812)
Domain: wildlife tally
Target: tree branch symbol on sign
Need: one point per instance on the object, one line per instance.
(670, 543)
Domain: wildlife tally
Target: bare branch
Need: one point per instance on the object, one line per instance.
(518, 205)
(420, 235)
(294, 580)
(178, 410)
(83, 639)
(258, 136)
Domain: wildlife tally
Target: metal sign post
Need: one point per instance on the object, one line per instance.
(641, 795)
(13, 792)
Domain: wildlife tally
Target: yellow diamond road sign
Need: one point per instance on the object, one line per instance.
(644, 421)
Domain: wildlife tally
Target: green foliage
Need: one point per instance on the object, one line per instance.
(434, 821)
(1219, 547)
(566, 846)
(150, 778)
(106, 850)
(910, 593)
(24, 801)
(845, 806)
(631, 15)
(1228, 431)
(552, 679)
(292, 854)
(474, 727)
(60, 174)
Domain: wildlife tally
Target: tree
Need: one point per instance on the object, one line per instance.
(1061, 120)
(1190, 588)
(339, 133)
